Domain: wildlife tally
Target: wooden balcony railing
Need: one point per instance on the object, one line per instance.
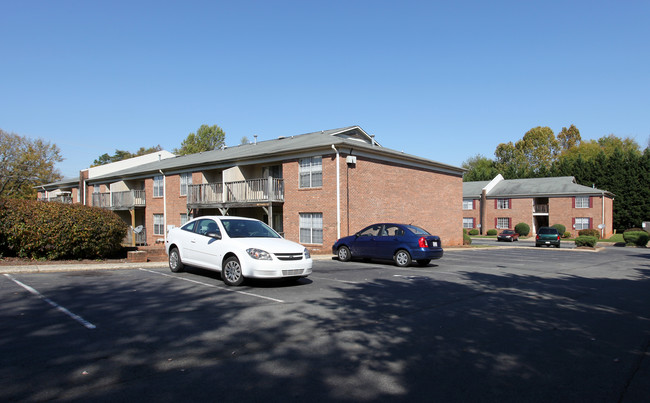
(239, 192)
(120, 200)
(540, 208)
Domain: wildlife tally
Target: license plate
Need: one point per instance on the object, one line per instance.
(548, 242)
(434, 244)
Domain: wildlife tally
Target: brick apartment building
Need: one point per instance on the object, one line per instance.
(313, 188)
(539, 202)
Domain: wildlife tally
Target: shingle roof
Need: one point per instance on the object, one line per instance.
(532, 187)
(349, 137)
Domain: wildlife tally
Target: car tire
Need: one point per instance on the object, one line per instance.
(424, 262)
(343, 254)
(402, 258)
(231, 273)
(175, 263)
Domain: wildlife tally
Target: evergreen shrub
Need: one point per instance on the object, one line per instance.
(473, 231)
(42, 230)
(585, 240)
(590, 232)
(492, 232)
(522, 229)
(466, 238)
(561, 229)
(638, 238)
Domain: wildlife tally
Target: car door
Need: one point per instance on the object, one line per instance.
(207, 249)
(387, 241)
(364, 244)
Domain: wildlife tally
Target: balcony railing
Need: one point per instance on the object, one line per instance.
(540, 208)
(120, 200)
(239, 192)
(66, 199)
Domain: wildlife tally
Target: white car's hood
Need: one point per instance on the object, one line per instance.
(271, 245)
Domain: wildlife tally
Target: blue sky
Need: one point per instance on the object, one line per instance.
(444, 80)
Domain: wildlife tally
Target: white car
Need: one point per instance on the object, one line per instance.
(238, 247)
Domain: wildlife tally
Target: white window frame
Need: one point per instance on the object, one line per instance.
(311, 228)
(310, 172)
(159, 224)
(185, 218)
(501, 220)
(468, 222)
(503, 204)
(185, 182)
(158, 186)
(582, 201)
(468, 204)
(582, 223)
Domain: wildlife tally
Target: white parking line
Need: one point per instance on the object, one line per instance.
(333, 279)
(213, 286)
(78, 318)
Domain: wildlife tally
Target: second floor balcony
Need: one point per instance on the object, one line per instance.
(62, 198)
(238, 193)
(120, 200)
(540, 209)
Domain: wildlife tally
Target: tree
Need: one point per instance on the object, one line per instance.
(569, 138)
(123, 155)
(207, 138)
(244, 140)
(479, 168)
(26, 163)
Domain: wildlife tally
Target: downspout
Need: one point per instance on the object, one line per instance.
(164, 206)
(602, 230)
(338, 195)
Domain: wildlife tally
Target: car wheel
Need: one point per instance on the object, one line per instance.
(175, 263)
(344, 254)
(424, 262)
(402, 258)
(231, 272)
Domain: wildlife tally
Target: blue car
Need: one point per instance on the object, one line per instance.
(398, 242)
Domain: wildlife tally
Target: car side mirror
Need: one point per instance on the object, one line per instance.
(214, 235)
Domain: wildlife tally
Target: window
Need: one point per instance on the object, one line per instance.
(186, 180)
(503, 222)
(468, 222)
(158, 186)
(311, 172)
(311, 228)
(582, 202)
(468, 204)
(158, 224)
(582, 222)
(503, 204)
(185, 218)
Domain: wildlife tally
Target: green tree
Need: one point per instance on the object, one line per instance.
(206, 138)
(26, 163)
(569, 138)
(123, 155)
(479, 168)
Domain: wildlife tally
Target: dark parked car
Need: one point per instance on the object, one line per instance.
(400, 242)
(508, 235)
(547, 236)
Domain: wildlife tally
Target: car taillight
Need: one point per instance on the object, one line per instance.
(537, 237)
(423, 242)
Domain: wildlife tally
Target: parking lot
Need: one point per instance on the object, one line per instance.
(513, 324)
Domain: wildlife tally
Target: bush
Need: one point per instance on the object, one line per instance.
(522, 229)
(466, 238)
(567, 234)
(638, 238)
(40, 230)
(473, 231)
(590, 232)
(585, 240)
(492, 232)
(561, 229)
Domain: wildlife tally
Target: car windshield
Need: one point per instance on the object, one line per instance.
(248, 229)
(548, 231)
(508, 232)
(417, 230)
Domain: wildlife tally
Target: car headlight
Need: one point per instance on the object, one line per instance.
(307, 254)
(259, 254)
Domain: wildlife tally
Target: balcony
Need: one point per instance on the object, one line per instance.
(66, 199)
(244, 193)
(540, 209)
(120, 200)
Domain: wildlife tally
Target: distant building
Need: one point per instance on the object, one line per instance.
(539, 202)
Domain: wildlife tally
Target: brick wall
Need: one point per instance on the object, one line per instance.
(372, 191)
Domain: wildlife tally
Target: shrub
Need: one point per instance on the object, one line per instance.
(40, 230)
(585, 240)
(638, 238)
(522, 229)
(567, 234)
(492, 232)
(590, 232)
(473, 231)
(561, 229)
(466, 239)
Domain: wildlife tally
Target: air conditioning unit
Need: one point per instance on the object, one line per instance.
(351, 159)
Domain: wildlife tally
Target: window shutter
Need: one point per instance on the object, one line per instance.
(590, 227)
(496, 222)
(474, 204)
(509, 205)
(591, 203)
(573, 224)
(509, 222)
(496, 204)
(574, 201)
